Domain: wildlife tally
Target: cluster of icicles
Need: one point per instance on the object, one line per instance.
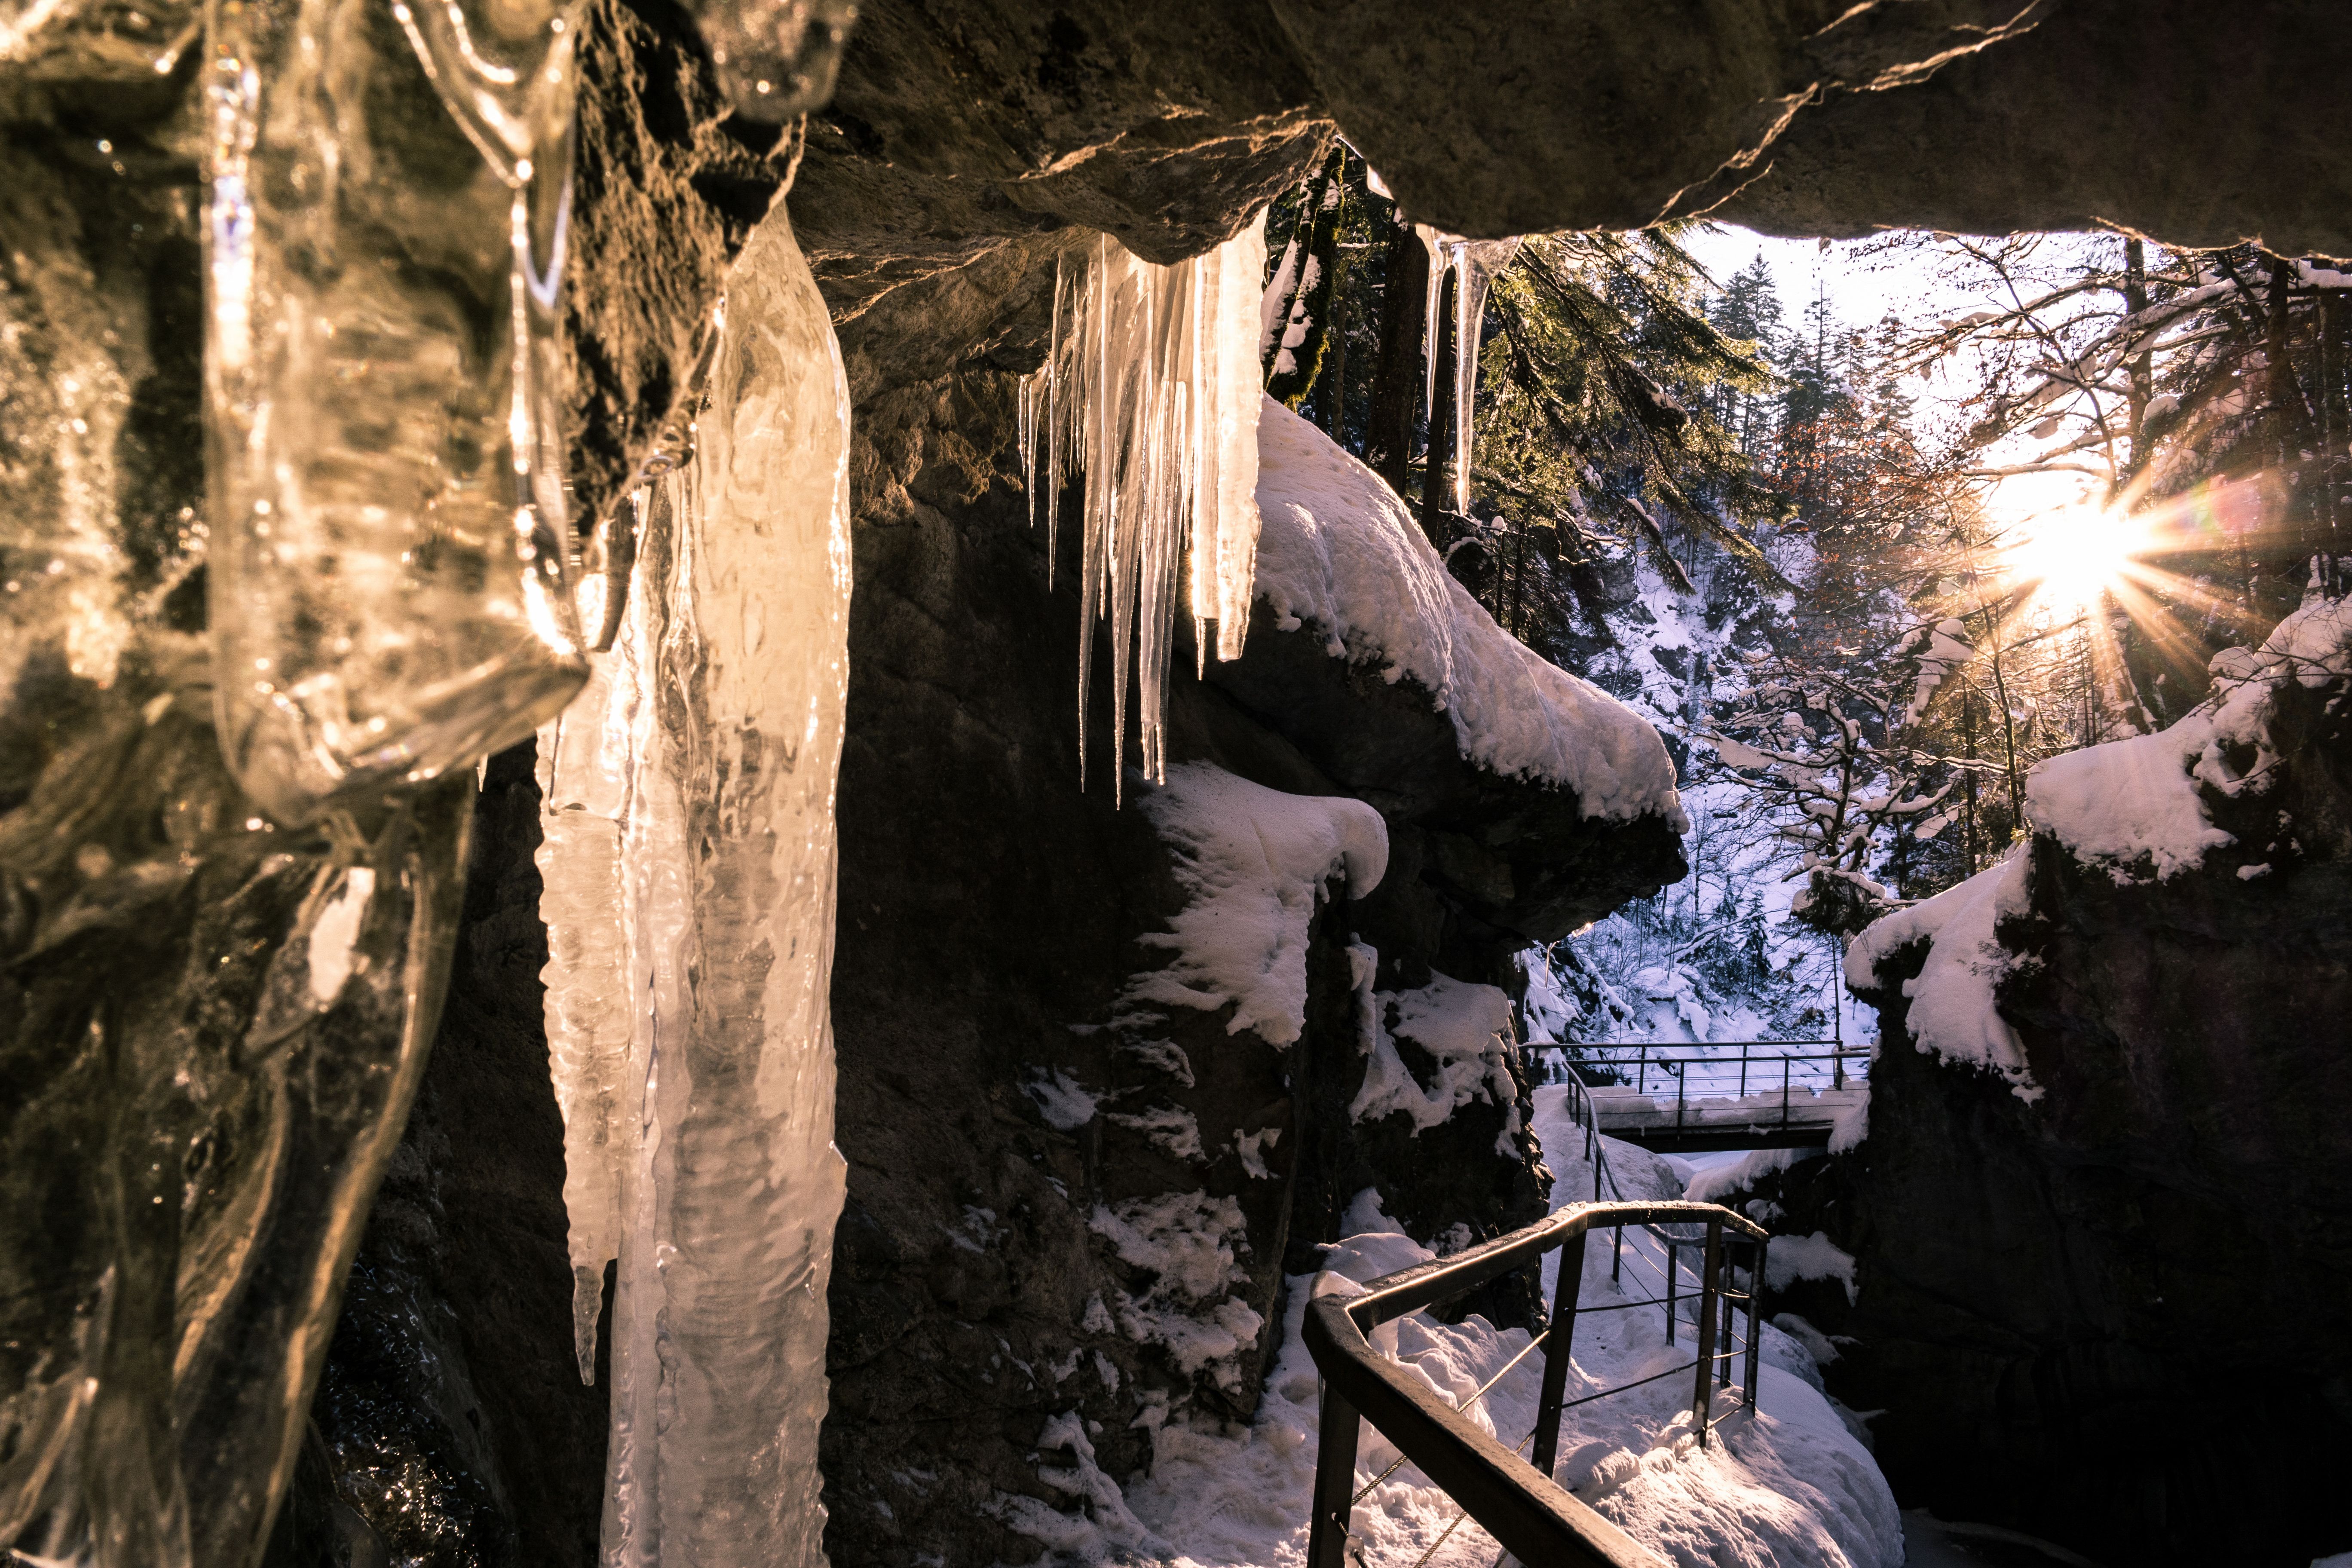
(1150, 388)
(1475, 264)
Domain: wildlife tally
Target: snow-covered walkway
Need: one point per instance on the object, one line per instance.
(1785, 1486)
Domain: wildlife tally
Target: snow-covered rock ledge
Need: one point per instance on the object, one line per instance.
(1522, 802)
(2149, 999)
(1340, 560)
(2135, 812)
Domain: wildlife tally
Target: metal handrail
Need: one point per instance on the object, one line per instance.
(1673, 1063)
(1514, 1499)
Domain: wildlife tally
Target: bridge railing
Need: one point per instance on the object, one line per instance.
(1637, 1064)
(1514, 1499)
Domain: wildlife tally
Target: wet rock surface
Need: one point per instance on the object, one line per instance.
(2109, 1317)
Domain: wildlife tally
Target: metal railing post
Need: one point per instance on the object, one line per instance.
(1755, 1317)
(1710, 1285)
(1743, 1075)
(1837, 1070)
(1784, 1094)
(1565, 1288)
(1642, 1065)
(1672, 1246)
(1335, 1483)
(1617, 1255)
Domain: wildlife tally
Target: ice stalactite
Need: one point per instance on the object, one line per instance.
(1150, 389)
(688, 866)
(1475, 264)
(776, 59)
(387, 580)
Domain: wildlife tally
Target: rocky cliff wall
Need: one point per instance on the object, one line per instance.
(2110, 1315)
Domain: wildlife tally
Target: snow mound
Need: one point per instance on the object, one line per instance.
(2136, 803)
(1338, 551)
(1252, 861)
(1953, 1013)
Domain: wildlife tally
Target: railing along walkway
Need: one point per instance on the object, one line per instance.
(1513, 1500)
(1713, 1106)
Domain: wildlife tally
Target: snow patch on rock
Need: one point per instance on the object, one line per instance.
(1465, 1027)
(1953, 1013)
(1189, 1243)
(1253, 862)
(1788, 1259)
(1338, 552)
(2136, 806)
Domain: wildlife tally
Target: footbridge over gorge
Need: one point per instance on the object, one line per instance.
(1755, 1094)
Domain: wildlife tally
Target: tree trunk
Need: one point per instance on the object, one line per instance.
(1331, 387)
(1442, 442)
(2283, 395)
(1968, 779)
(2142, 368)
(1396, 372)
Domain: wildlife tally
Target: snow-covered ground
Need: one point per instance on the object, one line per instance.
(1786, 1484)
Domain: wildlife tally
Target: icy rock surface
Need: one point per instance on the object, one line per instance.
(688, 868)
(1150, 389)
(776, 59)
(210, 1027)
(387, 583)
(1337, 550)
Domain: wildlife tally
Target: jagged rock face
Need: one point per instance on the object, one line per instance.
(960, 131)
(990, 916)
(2113, 1316)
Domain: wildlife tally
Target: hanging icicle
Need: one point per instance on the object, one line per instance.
(1475, 264)
(688, 870)
(388, 597)
(1150, 389)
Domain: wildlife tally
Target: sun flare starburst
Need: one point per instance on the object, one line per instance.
(2073, 555)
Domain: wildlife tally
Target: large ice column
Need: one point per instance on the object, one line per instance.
(689, 901)
(387, 569)
(1150, 388)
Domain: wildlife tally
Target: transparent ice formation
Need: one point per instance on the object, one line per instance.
(1150, 389)
(688, 867)
(387, 581)
(77, 41)
(1475, 264)
(776, 59)
(211, 1026)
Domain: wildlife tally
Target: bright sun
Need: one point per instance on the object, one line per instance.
(2073, 553)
